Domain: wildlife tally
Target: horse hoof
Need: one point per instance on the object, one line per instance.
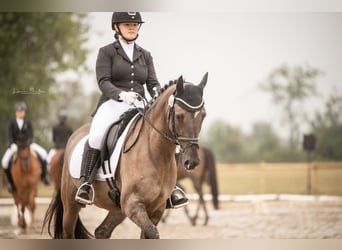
(22, 225)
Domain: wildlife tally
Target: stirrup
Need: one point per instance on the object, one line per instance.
(82, 200)
(170, 203)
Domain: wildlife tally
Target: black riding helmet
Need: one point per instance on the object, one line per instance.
(126, 17)
(20, 106)
(62, 116)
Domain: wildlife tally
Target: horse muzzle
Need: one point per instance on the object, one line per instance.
(190, 157)
(191, 164)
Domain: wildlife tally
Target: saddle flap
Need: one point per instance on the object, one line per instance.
(112, 138)
(112, 158)
(115, 131)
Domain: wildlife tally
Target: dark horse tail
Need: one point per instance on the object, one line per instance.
(212, 178)
(54, 218)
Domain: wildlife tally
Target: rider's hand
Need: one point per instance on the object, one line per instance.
(14, 147)
(156, 93)
(128, 97)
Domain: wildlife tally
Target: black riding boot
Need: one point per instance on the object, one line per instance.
(177, 198)
(90, 161)
(44, 175)
(11, 186)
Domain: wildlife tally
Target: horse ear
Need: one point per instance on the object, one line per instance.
(179, 87)
(203, 81)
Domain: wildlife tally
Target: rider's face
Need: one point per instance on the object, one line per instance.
(129, 30)
(20, 113)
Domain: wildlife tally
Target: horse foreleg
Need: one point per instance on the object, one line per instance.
(21, 216)
(137, 213)
(206, 214)
(105, 229)
(155, 218)
(32, 208)
(186, 210)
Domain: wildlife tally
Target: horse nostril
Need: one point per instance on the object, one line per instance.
(189, 165)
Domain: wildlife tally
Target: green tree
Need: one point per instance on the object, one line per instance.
(327, 127)
(34, 48)
(289, 88)
(262, 142)
(225, 141)
(231, 145)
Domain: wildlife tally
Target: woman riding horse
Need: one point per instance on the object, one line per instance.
(20, 129)
(60, 135)
(26, 174)
(122, 68)
(146, 172)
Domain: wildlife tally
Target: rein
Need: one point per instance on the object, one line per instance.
(175, 139)
(24, 159)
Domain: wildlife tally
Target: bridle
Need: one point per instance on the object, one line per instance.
(171, 117)
(25, 159)
(175, 139)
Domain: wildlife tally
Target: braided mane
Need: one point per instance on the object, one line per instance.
(162, 90)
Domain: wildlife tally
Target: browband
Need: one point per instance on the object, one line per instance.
(184, 104)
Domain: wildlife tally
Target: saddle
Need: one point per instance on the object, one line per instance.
(114, 133)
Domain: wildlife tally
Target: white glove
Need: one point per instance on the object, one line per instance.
(128, 97)
(156, 94)
(14, 148)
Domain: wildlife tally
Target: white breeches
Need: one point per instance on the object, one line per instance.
(51, 153)
(6, 158)
(108, 113)
(34, 146)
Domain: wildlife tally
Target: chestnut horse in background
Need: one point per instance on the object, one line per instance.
(146, 173)
(56, 166)
(26, 173)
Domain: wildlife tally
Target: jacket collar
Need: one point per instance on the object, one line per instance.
(17, 125)
(136, 54)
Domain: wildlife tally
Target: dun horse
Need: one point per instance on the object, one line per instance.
(205, 172)
(146, 172)
(55, 170)
(26, 172)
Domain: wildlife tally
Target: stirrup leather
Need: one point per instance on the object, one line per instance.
(181, 193)
(82, 200)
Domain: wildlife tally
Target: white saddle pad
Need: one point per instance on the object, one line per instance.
(76, 157)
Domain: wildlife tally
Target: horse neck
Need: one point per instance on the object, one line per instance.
(24, 153)
(158, 115)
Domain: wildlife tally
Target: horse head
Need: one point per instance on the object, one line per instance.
(186, 115)
(24, 153)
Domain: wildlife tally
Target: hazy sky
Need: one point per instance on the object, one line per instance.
(238, 50)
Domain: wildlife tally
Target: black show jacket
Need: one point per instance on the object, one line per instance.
(115, 72)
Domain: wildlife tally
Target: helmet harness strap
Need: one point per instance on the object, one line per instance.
(120, 34)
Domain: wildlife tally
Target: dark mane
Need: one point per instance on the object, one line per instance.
(162, 90)
(166, 86)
